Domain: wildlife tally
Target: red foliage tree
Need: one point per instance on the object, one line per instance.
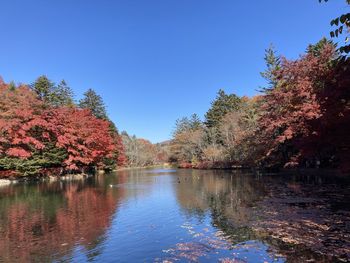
(330, 139)
(28, 127)
(302, 113)
(20, 114)
(85, 138)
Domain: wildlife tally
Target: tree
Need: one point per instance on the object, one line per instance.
(316, 49)
(122, 159)
(185, 124)
(189, 139)
(23, 145)
(12, 86)
(94, 103)
(52, 95)
(118, 159)
(63, 95)
(188, 145)
(44, 88)
(139, 152)
(273, 63)
(181, 125)
(163, 152)
(238, 130)
(330, 140)
(85, 138)
(20, 111)
(223, 104)
(213, 153)
(294, 108)
(195, 122)
(35, 135)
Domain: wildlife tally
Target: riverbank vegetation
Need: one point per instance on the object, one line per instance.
(44, 132)
(301, 119)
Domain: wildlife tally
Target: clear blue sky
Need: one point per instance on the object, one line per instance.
(154, 61)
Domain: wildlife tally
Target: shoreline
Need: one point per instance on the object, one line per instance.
(267, 170)
(143, 167)
(4, 181)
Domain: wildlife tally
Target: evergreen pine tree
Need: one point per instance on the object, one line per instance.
(273, 63)
(223, 104)
(195, 122)
(94, 103)
(315, 49)
(12, 86)
(44, 88)
(63, 95)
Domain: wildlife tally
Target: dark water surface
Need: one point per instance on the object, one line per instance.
(154, 215)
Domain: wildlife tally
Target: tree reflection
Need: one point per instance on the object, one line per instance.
(227, 196)
(45, 222)
(299, 215)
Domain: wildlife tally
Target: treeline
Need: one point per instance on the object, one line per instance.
(44, 131)
(141, 152)
(302, 118)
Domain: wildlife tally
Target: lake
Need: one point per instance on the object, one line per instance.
(171, 215)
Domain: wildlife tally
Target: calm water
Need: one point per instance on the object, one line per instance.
(158, 215)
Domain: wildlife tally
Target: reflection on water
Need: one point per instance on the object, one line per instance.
(223, 194)
(156, 215)
(43, 222)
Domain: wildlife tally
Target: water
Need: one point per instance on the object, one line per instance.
(155, 215)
